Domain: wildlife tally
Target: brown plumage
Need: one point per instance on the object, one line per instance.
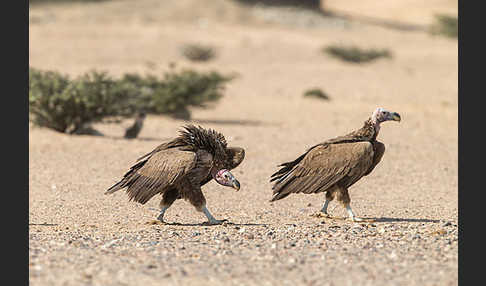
(179, 168)
(334, 165)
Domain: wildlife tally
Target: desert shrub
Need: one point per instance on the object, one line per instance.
(178, 91)
(446, 25)
(355, 54)
(317, 93)
(197, 52)
(188, 88)
(68, 105)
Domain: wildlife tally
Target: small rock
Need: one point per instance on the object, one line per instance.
(440, 232)
(250, 236)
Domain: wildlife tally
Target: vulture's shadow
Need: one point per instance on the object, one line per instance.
(397, 219)
(226, 223)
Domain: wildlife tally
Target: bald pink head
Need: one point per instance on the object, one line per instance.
(382, 115)
(225, 178)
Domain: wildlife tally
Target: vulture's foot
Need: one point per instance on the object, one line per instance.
(320, 215)
(355, 218)
(153, 222)
(160, 219)
(161, 215)
(215, 222)
(211, 219)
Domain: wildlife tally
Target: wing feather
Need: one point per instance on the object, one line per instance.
(156, 173)
(323, 166)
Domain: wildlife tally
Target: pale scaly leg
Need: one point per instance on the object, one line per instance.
(324, 207)
(323, 212)
(162, 212)
(211, 219)
(351, 214)
(168, 198)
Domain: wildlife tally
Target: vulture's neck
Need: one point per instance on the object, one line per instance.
(376, 125)
(370, 129)
(366, 133)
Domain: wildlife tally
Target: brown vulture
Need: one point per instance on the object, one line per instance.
(334, 165)
(179, 168)
(134, 130)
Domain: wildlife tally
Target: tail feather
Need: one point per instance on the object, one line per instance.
(114, 188)
(286, 168)
(278, 196)
(126, 178)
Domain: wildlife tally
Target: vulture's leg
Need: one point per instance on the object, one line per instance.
(197, 199)
(329, 197)
(351, 214)
(343, 197)
(330, 194)
(168, 198)
(211, 219)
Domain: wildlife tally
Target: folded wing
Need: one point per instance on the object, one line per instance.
(155, 173)
(322, 167)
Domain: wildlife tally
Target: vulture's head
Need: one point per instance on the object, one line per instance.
(225, 178)
(381, 115)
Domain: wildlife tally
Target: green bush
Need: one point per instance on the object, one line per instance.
(446, 25)
(187, 88)
(66, 105)
(356, 55)
(176, 92)
(316, 92)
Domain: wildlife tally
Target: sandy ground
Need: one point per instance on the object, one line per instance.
(79, 236)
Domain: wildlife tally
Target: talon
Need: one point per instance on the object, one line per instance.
(152, 222)
(320, 214)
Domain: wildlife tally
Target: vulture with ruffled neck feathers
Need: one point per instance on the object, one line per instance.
(334, 165)
(179, 168)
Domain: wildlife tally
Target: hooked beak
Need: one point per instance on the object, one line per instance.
(236, 184)
(395, 116)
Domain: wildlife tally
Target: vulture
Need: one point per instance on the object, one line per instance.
(177, 169)
(334, 165)
(134, 130)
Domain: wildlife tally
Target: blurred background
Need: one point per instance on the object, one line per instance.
(237, 51)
